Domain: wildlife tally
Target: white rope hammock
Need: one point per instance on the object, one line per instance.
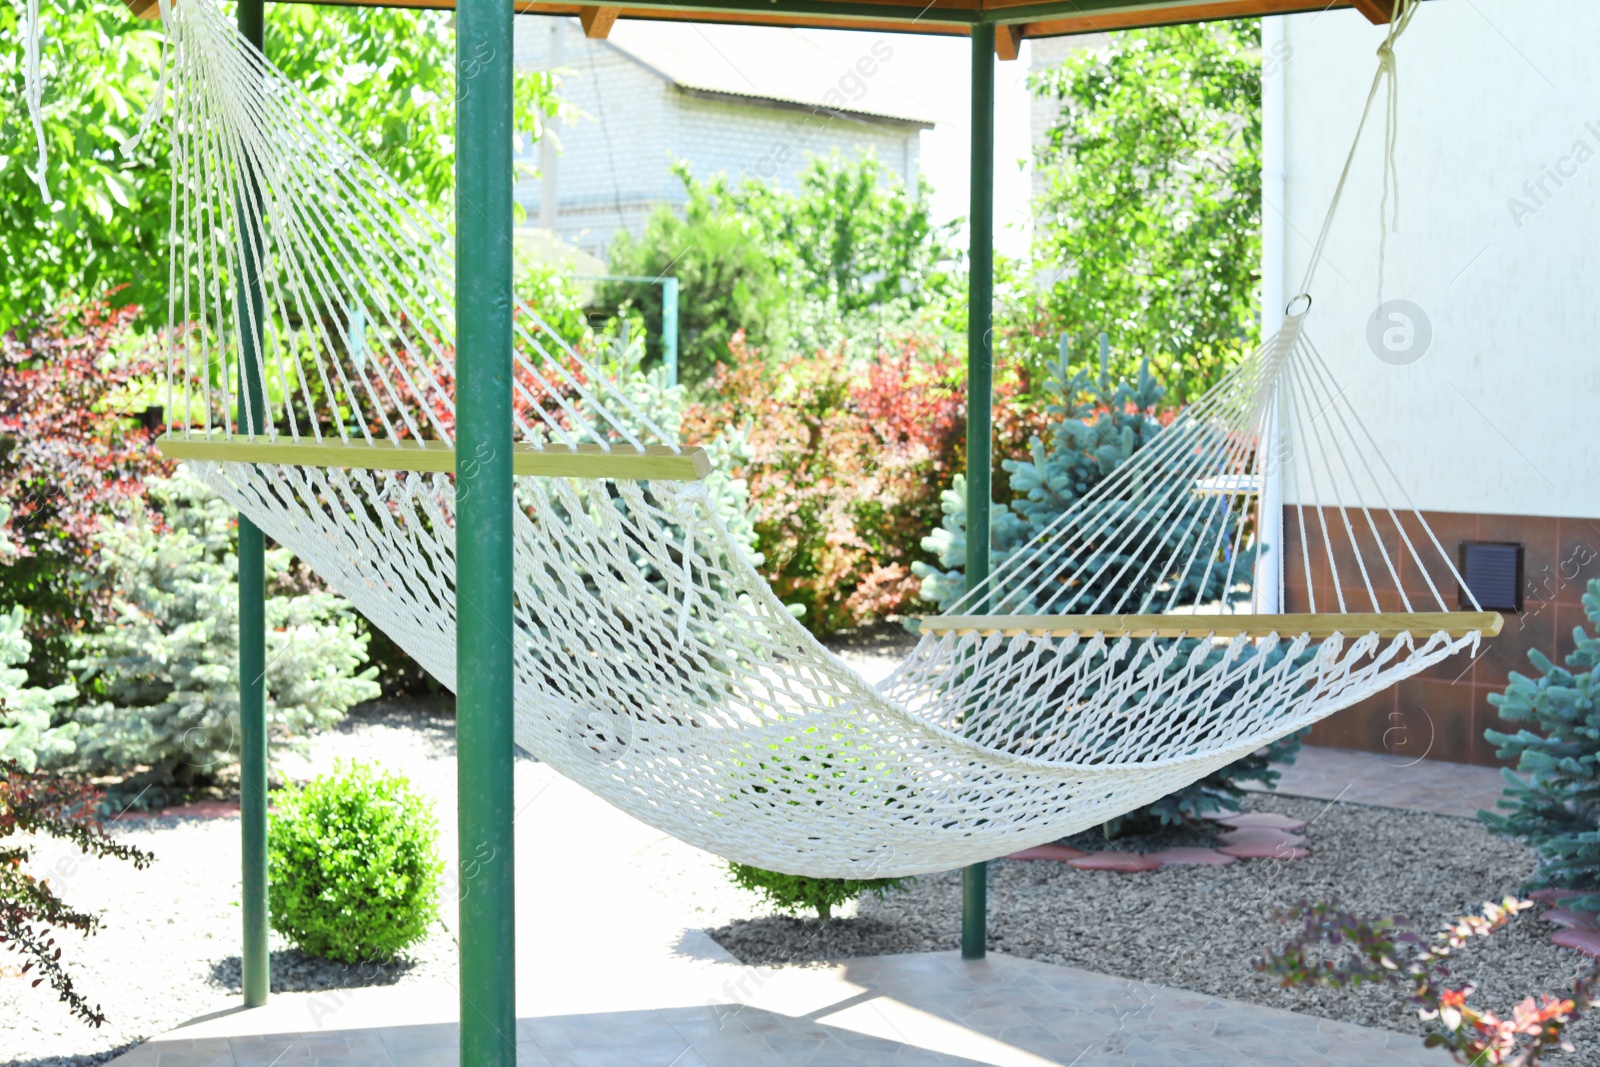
(654, 666)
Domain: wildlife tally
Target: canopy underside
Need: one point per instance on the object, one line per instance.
(1015, 20)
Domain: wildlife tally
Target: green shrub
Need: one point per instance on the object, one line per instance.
(1557, 810)
(353, 866)
(794, 892)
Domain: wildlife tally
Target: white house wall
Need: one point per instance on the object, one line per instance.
(1494, 428)
(613, 166)
(1502, 413)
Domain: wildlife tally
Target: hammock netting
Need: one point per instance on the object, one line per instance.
(655, 666)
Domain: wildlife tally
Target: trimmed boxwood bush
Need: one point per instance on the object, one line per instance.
(794, 892)
(353, 865)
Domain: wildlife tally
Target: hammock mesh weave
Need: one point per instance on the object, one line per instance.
(655, 667)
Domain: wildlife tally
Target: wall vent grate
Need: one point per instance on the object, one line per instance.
(1493, 571)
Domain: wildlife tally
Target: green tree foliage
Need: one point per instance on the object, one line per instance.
(1557, 809)
(164, 675)
(854, 237)
(108, 220)
(387, 77)
(1151, 214)
(727, 280)
(1094, 429)
(793, 892)
(353, 866)
(789, 269)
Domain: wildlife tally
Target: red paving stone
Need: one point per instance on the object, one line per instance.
(1262, 820)
(1251, 835)
(1554, 896)
(1574, 920)
(1123, 862)
(1182, 857)
(1266, 850)
(1585, 941)
(1059, 853)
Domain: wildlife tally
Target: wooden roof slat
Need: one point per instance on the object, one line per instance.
(1027, 18)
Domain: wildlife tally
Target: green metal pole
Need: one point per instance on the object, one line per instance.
(255, 971)
(484, 622)
(980, 389)
(669, 328)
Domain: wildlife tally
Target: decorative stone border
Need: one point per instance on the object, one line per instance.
(1249, 835)
(1580, 930)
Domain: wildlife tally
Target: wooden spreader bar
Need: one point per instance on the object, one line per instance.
(655, 462)
(1454, 623)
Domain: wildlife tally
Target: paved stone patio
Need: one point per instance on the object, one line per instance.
(931, 1009)
(1389, 781)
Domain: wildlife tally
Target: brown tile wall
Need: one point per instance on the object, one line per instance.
(1442, 712)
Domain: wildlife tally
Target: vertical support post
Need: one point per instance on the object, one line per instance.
(669, 328)
(255, 970)
(980, 390)
(485, 682)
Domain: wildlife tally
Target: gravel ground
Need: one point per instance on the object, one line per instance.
(1194, 928)
(179, 919)
(1198, 927)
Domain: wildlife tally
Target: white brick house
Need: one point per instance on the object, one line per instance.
(737, 100)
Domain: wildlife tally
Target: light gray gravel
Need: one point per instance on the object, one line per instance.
(1198, 928)
(168, 949)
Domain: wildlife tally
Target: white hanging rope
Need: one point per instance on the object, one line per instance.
(1387, 75)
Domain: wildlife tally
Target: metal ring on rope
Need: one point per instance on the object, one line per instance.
(1289, 308)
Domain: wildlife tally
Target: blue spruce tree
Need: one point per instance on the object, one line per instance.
(1095, 428)
(1557, 810)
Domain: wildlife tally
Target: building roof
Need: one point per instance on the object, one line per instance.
(1014, 20)
(763, 64)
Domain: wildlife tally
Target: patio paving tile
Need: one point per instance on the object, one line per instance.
(622, 992)
(1389, 781)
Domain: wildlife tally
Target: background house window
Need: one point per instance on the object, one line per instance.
(1493, 571)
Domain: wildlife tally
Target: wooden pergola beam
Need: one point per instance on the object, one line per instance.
(1174, 14)
(597, 21)
(1014, 20)
(1008, 39)
(1379, 12)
